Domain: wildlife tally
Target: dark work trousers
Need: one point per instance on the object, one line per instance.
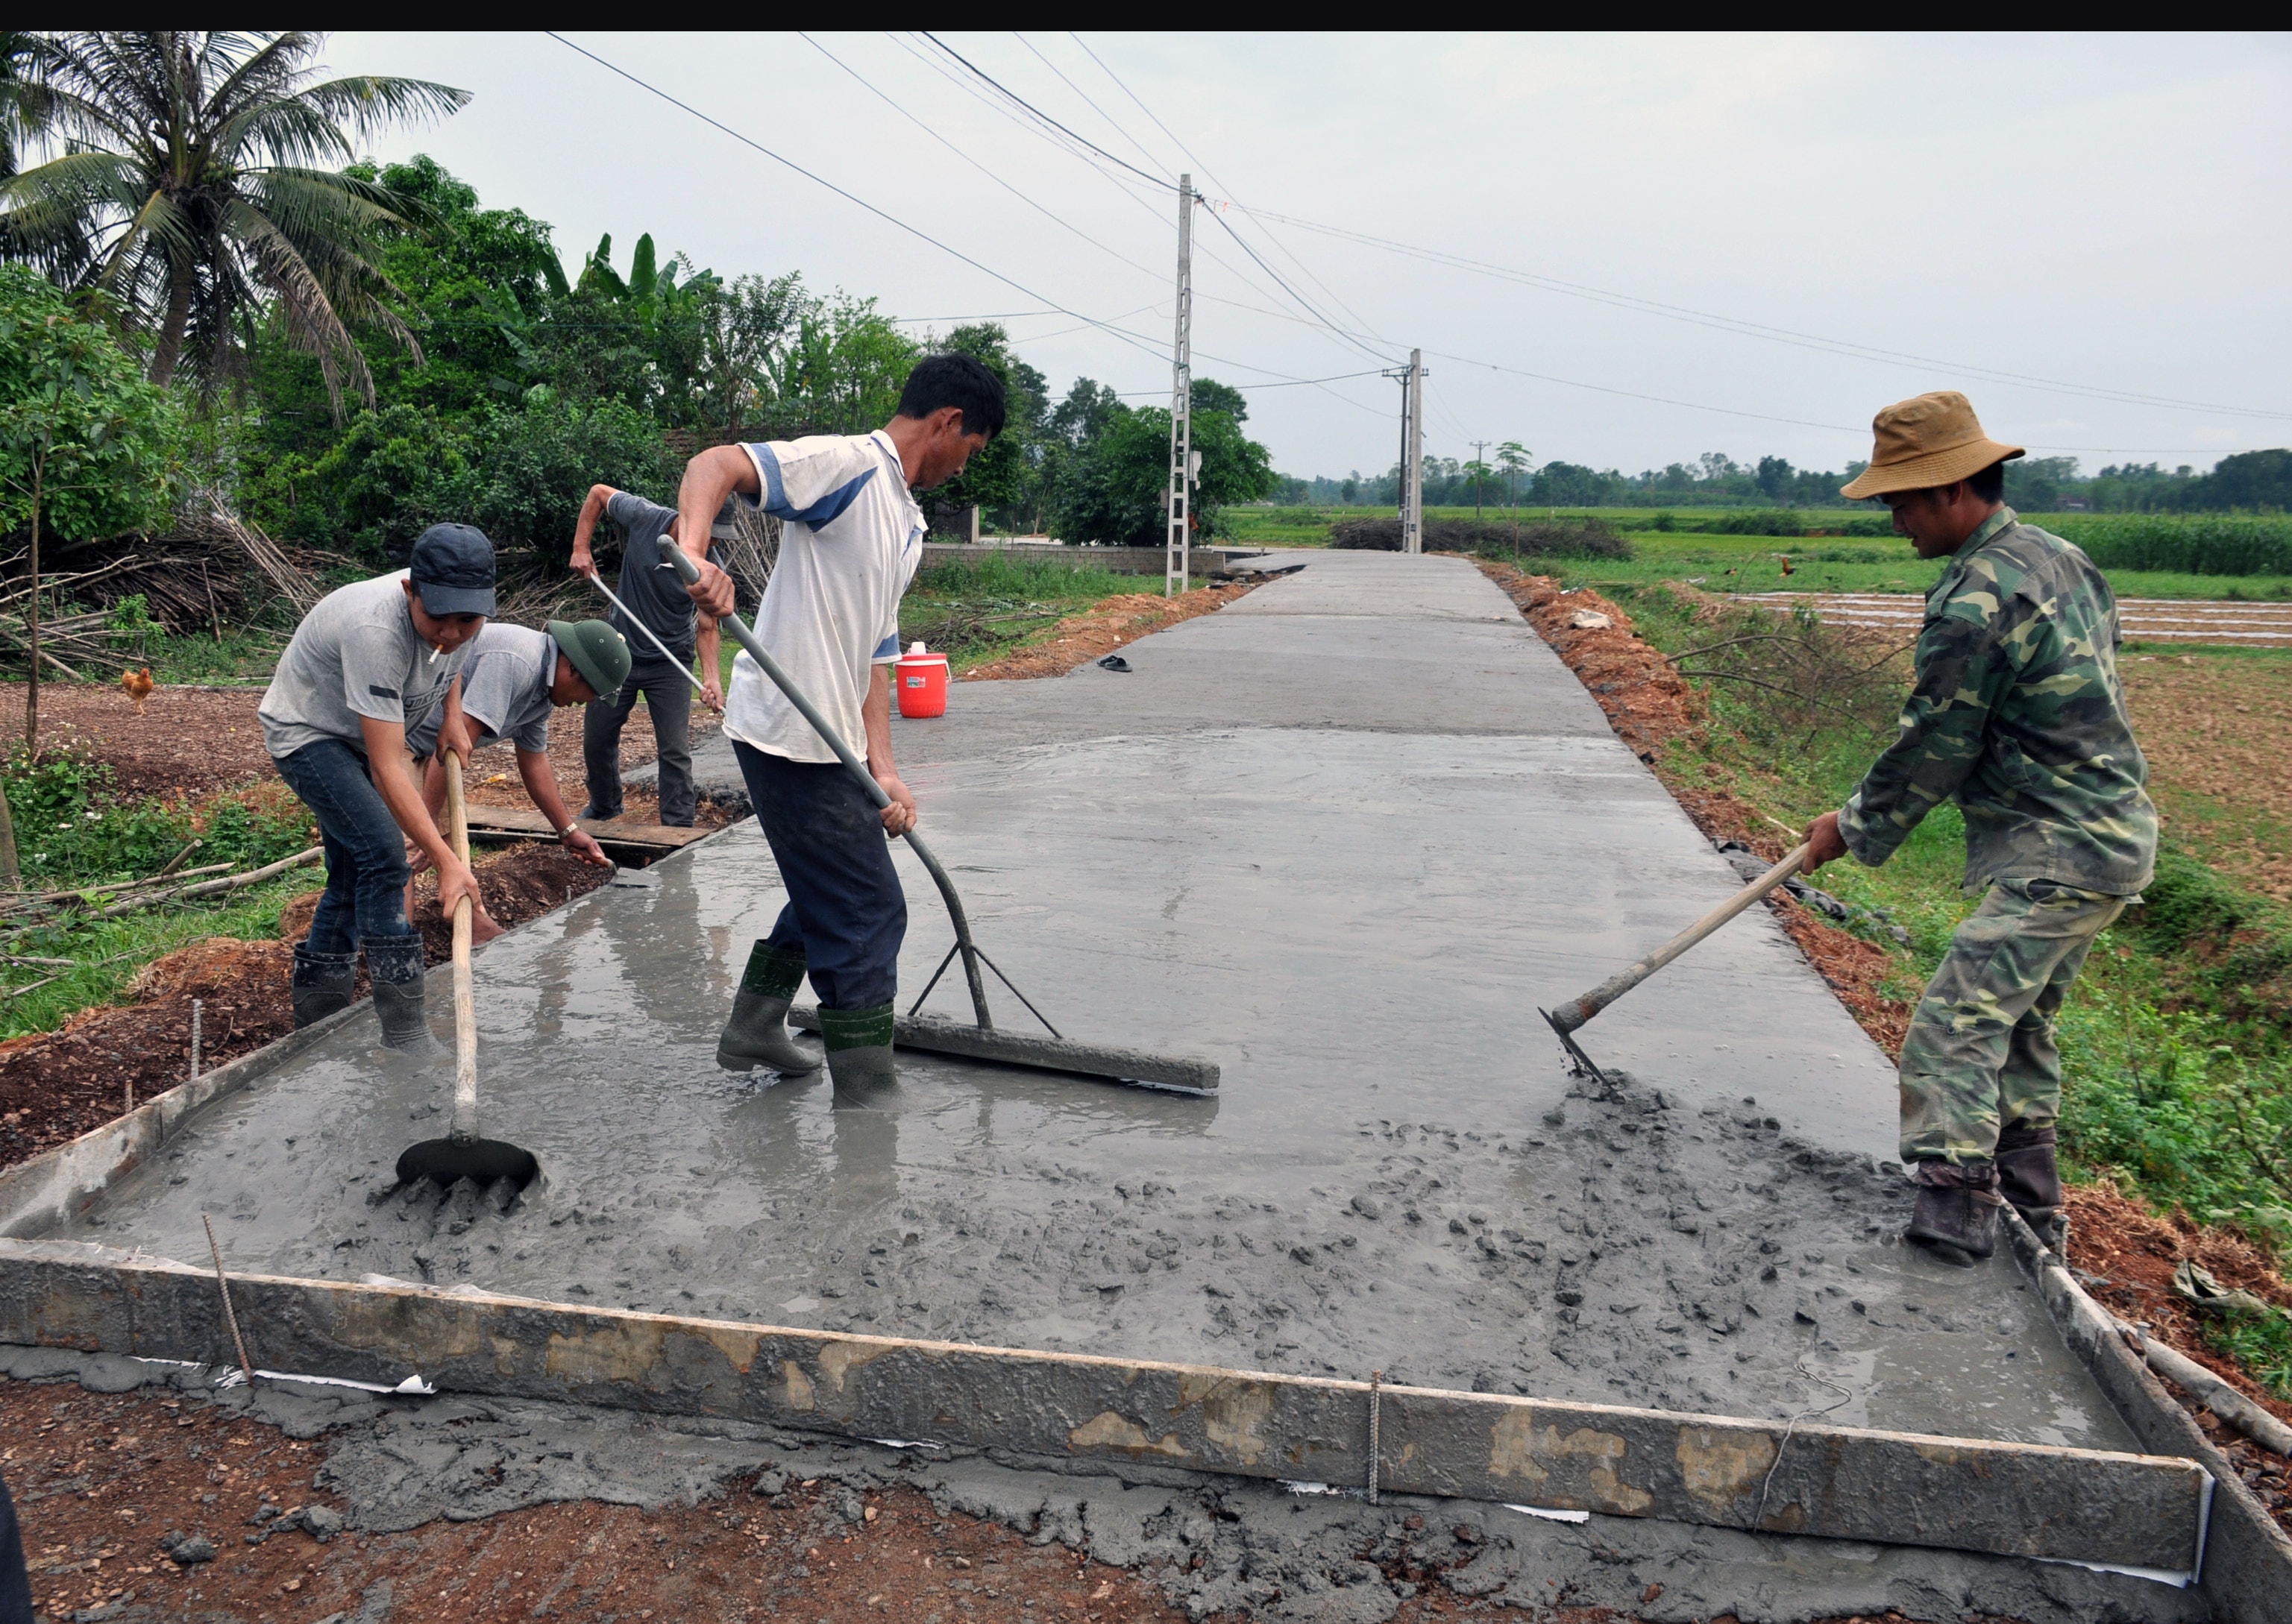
(366, 850)
(15, 1581)
(845, 912)
(668, 691)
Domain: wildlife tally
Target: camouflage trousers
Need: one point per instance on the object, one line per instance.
(1980, 1055)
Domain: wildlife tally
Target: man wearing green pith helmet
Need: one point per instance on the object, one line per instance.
(514, 679)
(2018, 716)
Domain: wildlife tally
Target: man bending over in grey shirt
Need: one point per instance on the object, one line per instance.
(513, 679)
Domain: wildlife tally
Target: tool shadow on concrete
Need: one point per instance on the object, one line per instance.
(1341, 837)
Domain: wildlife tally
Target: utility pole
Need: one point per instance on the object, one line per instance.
(1480, 471)
(1412, 451)
(1412, 523)
(1177, 559)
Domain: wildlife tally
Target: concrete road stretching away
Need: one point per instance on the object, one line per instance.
(1343, 837)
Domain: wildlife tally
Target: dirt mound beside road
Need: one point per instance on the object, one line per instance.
(1647, 702)
(58, 1085)
(1102, 629)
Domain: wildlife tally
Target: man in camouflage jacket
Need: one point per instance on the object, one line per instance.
(2018, 716)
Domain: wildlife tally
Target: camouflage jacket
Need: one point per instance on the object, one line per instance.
(2017, 715)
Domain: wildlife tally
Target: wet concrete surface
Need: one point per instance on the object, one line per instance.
(1342, 837)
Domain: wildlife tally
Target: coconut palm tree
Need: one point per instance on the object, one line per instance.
(189, 182)
(23, 105)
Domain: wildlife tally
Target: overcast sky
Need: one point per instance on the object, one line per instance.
(2099, 226)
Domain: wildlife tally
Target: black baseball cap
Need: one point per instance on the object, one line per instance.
(453, 569)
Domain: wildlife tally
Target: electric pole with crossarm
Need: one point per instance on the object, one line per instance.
(1177, 559)
(1412, 451)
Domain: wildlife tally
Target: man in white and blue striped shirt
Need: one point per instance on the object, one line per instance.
(852, 536)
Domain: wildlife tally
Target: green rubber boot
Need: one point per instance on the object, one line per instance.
(757, 1034)
(858, 1052)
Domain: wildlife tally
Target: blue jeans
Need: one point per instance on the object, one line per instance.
(845, 912)
(366, 851)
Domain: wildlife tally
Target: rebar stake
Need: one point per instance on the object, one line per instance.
(229, 1314)
(1376, 1403)
(196, 1005)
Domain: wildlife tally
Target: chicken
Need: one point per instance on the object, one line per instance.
(1787, 565)
(138, 684)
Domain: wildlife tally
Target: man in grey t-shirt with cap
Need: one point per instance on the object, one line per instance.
(652, 592)
(371, 658)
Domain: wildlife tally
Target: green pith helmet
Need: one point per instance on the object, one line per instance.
(598, 652)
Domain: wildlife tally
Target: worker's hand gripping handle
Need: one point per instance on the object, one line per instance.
(689, 573)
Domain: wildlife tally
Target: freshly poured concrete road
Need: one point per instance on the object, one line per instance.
(1342, 837)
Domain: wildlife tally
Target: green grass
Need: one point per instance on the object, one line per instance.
(108, 953)
(72, 833)
(2177, 1040)
(973, 612)
(1310, 525)
(2261, 1343)
(243, 656)
(2235, 545)
(1820, 564)
(1842, 565)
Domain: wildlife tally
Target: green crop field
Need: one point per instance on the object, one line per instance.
(1752, 563)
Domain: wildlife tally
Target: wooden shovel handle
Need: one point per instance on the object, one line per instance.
(465, 1003)
(1574, 1013)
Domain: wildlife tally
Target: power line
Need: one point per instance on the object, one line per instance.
(1800, 422)
(1140, 394)
(1293, 294)
(1056, 219)
(1070, 85)
(915, 321)
(891, 219)
(1693, 406)
(1149, 345)
(1120, 84)
(1046, 117)
(1761, 330)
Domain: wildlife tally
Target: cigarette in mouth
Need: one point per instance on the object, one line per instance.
(435, 650)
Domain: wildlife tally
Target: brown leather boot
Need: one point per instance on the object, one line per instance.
(1955, 1214)
(2030, 1178)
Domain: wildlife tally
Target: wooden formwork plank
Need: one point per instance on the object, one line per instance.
(1843, 1482)
(2247, 1566)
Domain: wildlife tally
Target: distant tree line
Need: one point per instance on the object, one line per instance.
(351, 352)
(2252, 481)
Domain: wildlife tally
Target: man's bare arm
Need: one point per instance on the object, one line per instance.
(585, 528)
(876, 714)
(712, 663)
(708, 479)
(541, 787)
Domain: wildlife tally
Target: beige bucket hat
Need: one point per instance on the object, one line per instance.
(1925, 441)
